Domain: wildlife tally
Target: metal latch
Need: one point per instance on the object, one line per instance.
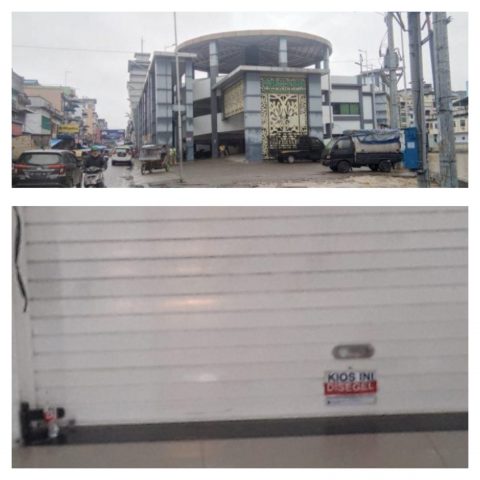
(359, 350)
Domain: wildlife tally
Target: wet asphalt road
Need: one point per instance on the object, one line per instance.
(118, 176)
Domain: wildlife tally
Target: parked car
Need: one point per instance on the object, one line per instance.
(302, 148)
(122, 156)
(377, 149)
(47, 168)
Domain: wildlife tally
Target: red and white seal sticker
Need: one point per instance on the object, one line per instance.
(350, 387)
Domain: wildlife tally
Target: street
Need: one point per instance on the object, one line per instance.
(118, 176)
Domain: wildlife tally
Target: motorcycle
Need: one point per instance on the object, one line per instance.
(93, 177)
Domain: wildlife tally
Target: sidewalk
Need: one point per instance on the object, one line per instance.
(388, 450)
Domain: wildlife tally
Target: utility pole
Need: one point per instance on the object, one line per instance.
(326, 65)
(433, 59)
(374, 101)
(398, 18)
(403, 60)
(448, 164)
(391, 63)
(369, 73)
(179, 103)
(416, 72)
(141, 44)
(360, 62)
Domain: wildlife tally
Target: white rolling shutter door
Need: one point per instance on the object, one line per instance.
(182, 314)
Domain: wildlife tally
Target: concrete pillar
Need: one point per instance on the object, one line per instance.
(138, 123)
(153, 109)
(213, 97)
(282, 52)
(252, 117)
(315, 112)
(360, 103)
(163, 101)
(147, 110)
(150, 106)
(188, 132)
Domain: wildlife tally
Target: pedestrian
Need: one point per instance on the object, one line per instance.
(173, 156)
(163, 151)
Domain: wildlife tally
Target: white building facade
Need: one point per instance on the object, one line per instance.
(243, 89)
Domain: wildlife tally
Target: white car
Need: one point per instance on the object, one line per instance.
(122, 156)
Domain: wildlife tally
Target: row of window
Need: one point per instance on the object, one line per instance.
(461, 123)
(346, 108)
(202, 107)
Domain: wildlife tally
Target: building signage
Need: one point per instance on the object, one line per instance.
(68, 128)
(233, 100)
(283, 85)
(350, 387)
(113, 134)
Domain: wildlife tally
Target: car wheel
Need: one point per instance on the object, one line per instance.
(291, 159)
(373, 167)
(384, 166)
(343, 166)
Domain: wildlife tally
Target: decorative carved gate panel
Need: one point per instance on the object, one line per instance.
(284, 111)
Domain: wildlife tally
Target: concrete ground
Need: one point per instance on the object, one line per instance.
(235, 172)
(387, 450)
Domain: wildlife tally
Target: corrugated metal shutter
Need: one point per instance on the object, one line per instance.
(179, 314)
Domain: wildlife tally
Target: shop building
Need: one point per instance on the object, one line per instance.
(245, 88)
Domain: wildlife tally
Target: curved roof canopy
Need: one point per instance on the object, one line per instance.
(257, 47)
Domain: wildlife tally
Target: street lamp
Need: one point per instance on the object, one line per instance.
(178, 91)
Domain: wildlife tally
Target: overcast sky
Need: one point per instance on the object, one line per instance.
(103, 75)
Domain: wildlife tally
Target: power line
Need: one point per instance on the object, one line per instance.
(73, 49)
(98, 50)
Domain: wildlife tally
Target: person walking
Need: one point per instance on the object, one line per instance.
(173, 156)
